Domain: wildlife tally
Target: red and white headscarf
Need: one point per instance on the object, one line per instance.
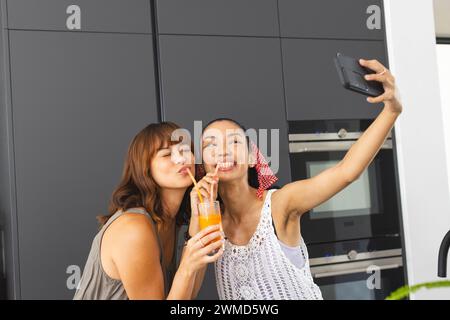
(266, 177)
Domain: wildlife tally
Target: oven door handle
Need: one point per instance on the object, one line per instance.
(324, 146)
(351, 271)
(362, 267)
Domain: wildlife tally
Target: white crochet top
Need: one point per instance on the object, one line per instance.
(260, 270)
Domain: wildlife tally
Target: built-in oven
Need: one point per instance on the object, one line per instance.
(366, 208)
(354, 240)
(369, 269)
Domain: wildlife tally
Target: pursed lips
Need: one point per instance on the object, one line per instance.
(183, 169)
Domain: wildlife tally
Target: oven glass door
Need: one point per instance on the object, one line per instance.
(366, 208)
(358, 199)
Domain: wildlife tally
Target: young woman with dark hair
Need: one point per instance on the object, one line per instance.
(265, 256)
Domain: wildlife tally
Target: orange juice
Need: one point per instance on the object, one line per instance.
(210, 220)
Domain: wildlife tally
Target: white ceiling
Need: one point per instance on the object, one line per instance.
(442, 17)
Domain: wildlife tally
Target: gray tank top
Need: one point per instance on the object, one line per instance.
(95, 284)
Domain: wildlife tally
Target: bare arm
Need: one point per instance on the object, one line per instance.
(199, 276)
(136, 257)
(301, 196)
(198, 279)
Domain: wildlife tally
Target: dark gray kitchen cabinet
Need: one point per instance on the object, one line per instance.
(204, 78)
(77, 101)
(218, 17)
(81, 15)
(343, 19)
(312, 86)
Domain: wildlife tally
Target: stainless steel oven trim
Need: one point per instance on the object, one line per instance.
(323, 146)
(355, 267)
(327, 136)
(359, 256)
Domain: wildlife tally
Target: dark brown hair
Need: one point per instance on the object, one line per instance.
(137, 187)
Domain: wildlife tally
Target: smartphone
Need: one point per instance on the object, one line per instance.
(351, 74)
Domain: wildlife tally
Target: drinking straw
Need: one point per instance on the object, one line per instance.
(195, 185)
(217, 169)
(212, 186)
(211, 195)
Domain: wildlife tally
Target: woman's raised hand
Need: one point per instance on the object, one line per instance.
(383, 75)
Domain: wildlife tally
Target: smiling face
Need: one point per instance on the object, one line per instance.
(169, 164)
(224, 144)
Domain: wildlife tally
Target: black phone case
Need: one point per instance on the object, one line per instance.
(351, 74)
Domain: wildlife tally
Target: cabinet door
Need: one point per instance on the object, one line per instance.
(313, 88)
(343, 19)
(81, 15)
(218, 17)
(78, 100)
(204, 78)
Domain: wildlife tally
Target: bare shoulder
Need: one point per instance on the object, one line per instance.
(289, 200)
(133, 256)
(279, 204)
(131, 229)
(282, 197)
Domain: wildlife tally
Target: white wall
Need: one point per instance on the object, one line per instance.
(420, 138)
(443, 59)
